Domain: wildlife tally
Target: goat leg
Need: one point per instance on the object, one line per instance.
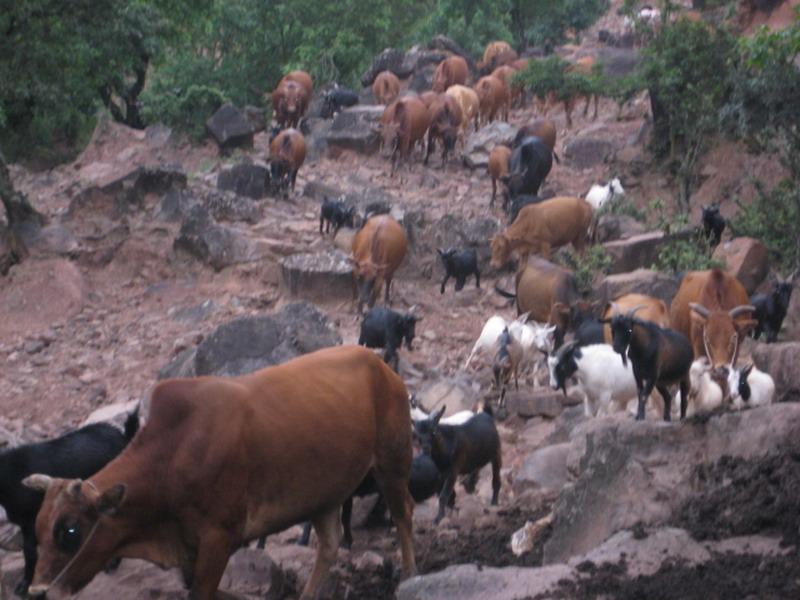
(444, 496)
(664, 391)
(444, 282)
(477, 279)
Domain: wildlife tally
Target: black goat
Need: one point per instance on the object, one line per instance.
(460, 264)
(461, 450)
(336, 213)
(333, 101)
(713, 224)
(660, 358)
(385, 328)
(78, 454)
(771, 309)
(424, 481)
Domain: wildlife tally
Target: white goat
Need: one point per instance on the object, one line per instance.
(605, 382)
(601, 194)
(750, 387)
(532, 336)
(705, 394)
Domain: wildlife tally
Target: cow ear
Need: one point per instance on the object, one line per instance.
(38, 482)
(111, 499)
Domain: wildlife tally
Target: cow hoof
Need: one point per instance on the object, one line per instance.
(21, 589)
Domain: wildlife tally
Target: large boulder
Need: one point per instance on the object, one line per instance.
(635, 252)
(215, 245)
(422, 80)
(745, 258)
(584, 151)
(630, 472)
(453, 231)
(249, 343)
(617, 227)
(418, 58)
(543, 470)
(457, 393)
(780, 361)
(320, 276)
(230, 128)
(227, 206)
(388, 60)
(481, 143)
(618, 62)
(641, 281)
(245, 179)
(10, 251)
(354, 129)
(316, 131)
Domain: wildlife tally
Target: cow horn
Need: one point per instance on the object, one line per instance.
(633, 310)
(735, 312)
(700, 309)
(38, 482)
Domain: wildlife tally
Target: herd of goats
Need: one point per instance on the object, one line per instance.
(222, 461)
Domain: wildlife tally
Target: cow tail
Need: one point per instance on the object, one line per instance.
(504, 293)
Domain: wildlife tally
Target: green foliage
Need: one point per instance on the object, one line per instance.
(773, 219)
(622, 206)
(587, 268)
(686, 70)
(547, 22)
(186, 109)
(621, 89)
(681, 252)
(542, 77)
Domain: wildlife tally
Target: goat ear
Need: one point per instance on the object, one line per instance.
(746, 370)
(438, 414)
(38, 482)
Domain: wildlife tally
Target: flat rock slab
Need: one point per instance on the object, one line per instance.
(320, 276)
(543, 469)
(641, 281)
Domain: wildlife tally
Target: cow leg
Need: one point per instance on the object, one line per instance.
(347, 514)
(685, 385)
(429, 149)
(477, 279)
(212, 558)
(306, 535)
(294, 178)
(329, 532)
(321, 222)
(494, 191)
(497, 464)
(664, 391)
(386, 291)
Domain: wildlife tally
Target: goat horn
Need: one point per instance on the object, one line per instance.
(700, 309)
(615, 308)
(735, 312)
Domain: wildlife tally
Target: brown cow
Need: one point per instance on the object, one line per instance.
(468, 101)
(224, 460)
(378, 249)
(302, 78)
(289, 101)
(494, 97)
(451, 71)
(541, 227)
(445, 113)
(546, 292)
(544, 129)
(498, 166)
(386, 87)
(505, 74)
(648, 309)
(429, 97)
(408, 125)
(386, 118)
(711, 309)
(286, 155)
(496, 55)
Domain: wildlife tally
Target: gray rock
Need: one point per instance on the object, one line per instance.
(10, 250)
(584, 152)
(641, 281)
(256, 116)
(457, 393)
(422, 79)
(353, 129)
(250, 343)
(52, 240)
(636, 252)
(195, 314)
(481, 143)
(447, 44)
(544, 469)
(388, 60)
(641, 471)
(227, 206)
(174, 206)
(321, 276)
(216, 245)
(230, 128)
(780, 361)
(617, 227)
(245, 179)
(158, 135)
(535, 403)
(417, 58)
(456, 232)
(316, 131)
(618, 62)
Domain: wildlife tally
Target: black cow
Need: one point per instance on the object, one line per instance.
(333, 101)
(528, 167)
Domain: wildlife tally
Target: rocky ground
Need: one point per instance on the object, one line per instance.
(146, 269)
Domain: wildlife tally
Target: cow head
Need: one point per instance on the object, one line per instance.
(76, 531)
(501, 251)
(721, 331)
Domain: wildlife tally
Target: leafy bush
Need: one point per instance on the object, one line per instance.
(550, 76)
(623, 206)
(587, 268)
(679, 254)
(185, 109)
(773, 219)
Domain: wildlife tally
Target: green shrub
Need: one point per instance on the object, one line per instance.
(679, 254)
(184, 109)
(623, 206)
(588, 268)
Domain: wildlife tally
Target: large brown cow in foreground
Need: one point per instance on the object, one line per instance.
(542, 227)
(222, 461)
(378, 249)
(712, 309)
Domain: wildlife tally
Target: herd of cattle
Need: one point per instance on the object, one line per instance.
(222, 461)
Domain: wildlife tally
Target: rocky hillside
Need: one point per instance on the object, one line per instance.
(162, 258)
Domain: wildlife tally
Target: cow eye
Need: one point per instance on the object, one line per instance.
(67, 536)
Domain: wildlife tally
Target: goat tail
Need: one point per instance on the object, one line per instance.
(132, 424)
